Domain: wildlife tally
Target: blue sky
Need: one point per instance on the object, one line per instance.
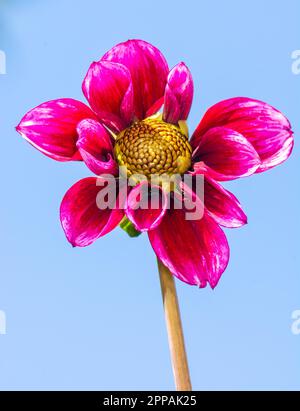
(92, 318)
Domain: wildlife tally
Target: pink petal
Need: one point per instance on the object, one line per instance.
(148, 69)
(95, 146)
(267, 129)
(108, 88)
(178, 94)
(82, 220)
(222, 205)
(51, 127)
(146, 206)
(155, 107)
(227, 154)
(195, 251)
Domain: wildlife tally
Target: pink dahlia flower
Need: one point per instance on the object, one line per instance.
(125, 88)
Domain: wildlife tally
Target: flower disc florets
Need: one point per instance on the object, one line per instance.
(153, 147)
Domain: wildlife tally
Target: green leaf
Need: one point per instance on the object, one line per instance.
(127, 226)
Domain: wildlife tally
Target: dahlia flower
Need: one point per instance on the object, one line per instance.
(137, 120)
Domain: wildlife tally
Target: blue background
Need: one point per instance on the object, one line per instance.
(92, 318)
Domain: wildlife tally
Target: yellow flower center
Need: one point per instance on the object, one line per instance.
(153, 147)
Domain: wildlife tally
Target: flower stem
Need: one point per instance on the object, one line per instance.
(174, 329)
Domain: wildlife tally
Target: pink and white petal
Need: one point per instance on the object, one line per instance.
(82, 220)
(195, 251)
(108, 88)
(51, 127)
(148, 69)
(222, 205)
(155, 108)
(227, 153)
(201, 168)
(266, 128)
(178, 94)
(146, 206)
(96, 149)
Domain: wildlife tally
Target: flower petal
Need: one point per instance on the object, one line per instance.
(51, 127)
(227, 154)
(81, 218)
(146, 205)
(95, 146)
(155, 107)
(148, 69)
(222, 205)
(267, 129)
(195, 251)
(178, 94)
(108, 88)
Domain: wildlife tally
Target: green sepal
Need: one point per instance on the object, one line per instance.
(127, 226)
